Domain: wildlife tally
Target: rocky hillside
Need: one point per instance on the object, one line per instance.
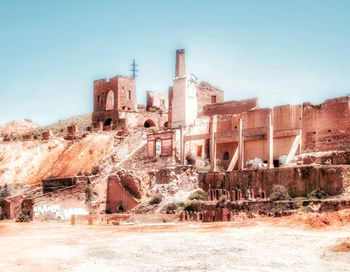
(59, 128)
(18, 127)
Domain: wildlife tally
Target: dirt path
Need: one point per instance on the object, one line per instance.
(174, 247)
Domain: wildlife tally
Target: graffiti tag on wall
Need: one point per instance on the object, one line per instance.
(58, 212)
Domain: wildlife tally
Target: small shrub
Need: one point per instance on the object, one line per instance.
(28, 120)
(198, 195)
(4, 192)
(23, 217)
(318, 194)
(156, 200)
(154, 129)
(2, 214)
(172, 207)
(277, 210)
(192, 205)
(88, 193)
(279, 193)
(191, 160)
(95, 170)
(305, 208)
(300, 198)
(344, 146)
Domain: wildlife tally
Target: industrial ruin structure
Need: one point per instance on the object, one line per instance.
(249, 149)
(230, 133)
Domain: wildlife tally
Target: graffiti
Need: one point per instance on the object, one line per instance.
(58, 212)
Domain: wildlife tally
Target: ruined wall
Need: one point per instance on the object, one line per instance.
(54, 184)
(208, 94)
(124, 192)
(326, 126)
(140, 117)
(157, 100)
(224, 153)
(287, 117)
(107, 103)
(230, 107)
(299, 181)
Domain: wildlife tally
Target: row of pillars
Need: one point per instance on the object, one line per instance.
(235, 195)
(213, 130)
(217, 215)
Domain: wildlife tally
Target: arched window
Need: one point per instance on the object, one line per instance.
(226, 156)
(110, 100)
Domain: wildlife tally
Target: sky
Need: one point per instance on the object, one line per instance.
(283, 52)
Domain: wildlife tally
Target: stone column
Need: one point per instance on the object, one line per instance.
(270, 144)
(240, 145)
(180, 69)
(213, 143)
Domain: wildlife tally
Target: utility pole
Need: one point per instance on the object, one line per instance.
(133, 68)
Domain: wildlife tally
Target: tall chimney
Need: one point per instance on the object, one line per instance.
(180, 69)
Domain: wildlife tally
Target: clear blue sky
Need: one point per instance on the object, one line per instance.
(284, 52)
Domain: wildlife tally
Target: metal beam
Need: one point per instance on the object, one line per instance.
(233, 161)
(270, 144)
(213, 143)
(293, 149)
(240, 146)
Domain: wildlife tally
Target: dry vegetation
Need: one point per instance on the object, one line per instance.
(58, 129)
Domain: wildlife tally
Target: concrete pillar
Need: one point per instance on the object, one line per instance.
(181, 145)
(213, 143)
(180, 69)
(270, 144)
(240, 145)
(301, 135)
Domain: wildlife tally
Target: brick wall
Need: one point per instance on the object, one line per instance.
(157, 100)
(208, 94)
(299, 181)
(326, 126)
(124, 95)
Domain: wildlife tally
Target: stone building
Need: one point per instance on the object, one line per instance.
(115, 106)
(111, 96)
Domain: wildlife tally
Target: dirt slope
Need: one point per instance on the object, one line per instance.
(30, 162)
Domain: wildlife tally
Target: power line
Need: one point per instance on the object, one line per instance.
(133, 68)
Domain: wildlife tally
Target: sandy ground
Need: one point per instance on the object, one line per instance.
(249, 246)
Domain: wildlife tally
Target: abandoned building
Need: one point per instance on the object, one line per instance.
(115, 106)
(248, 149)
(230, 133)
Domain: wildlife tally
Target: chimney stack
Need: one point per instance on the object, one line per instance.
(180, 69)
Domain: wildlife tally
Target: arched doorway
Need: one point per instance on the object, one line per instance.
(166, 124)
(108, 122)
(149, 123)
(158, 148)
